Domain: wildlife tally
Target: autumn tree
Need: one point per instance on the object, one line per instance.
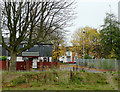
(59, 45)
(91, 41)
(110, 37)
(32, 22)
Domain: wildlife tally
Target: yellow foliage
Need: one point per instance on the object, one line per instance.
(59, 52)
(90, 41)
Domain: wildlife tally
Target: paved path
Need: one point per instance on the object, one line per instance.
(70, 67)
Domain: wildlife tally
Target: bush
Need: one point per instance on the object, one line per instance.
(98, 81)
(116, 78)
(77, 79)
(18, 80)
(83, 71)
(3, 58)
(80, 78)
(102, 82)
(88, 57)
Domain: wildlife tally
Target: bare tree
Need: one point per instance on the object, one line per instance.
(32, 22)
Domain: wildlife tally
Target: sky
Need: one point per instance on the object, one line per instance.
(91, 13)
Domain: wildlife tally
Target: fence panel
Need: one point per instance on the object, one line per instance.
(107, 64)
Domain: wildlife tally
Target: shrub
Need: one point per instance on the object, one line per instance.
(80, 78)
(3, 58)
(88, 57)
(77, 79)
(83, 70)
(18, 80)
(98, 81)
(116, 78)
(102, 82)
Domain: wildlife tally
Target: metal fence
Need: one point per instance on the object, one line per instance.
(108, 64)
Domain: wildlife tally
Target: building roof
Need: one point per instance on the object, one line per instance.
(25, 42)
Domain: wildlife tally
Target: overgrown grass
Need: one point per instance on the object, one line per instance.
(58, 80)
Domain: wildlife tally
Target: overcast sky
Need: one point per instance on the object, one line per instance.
(92, 13)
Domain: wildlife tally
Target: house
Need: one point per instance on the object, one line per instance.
(69, 56)
(39, 52)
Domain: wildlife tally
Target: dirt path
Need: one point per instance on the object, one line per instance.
(110, 78)
(70, 67)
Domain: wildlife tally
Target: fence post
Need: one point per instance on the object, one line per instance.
(102, 63)
(115, 64)
(71, 76)
(108, 61)
(45, 77)
(37, 77)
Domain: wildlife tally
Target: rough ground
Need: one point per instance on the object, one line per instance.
(80, 81)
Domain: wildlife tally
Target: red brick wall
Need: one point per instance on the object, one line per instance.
(3, 65)
(20, 65)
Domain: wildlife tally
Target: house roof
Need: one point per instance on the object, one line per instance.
(24, 42)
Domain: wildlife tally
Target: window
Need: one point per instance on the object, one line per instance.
(45, 45)
(68, 53)
(24, 45)
(34, 64)
(68, 59)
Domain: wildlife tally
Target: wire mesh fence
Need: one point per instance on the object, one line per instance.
(108, 64)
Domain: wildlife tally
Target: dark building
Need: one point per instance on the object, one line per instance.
(40, 52)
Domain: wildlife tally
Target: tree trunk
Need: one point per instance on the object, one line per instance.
(13, 62)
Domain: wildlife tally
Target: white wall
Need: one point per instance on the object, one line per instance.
(19, 59)
(68, 53)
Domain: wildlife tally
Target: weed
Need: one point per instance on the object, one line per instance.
(96, 89)
(18, 80)
(44, 89)
(99, 81)
(62, 83)
(62, 79)
(107, 82)
(10, 85)
(56, 83)
(102, 82)
(83, 71)
(80, 78)
(116, 78)
(73, 89)
(36, 84)
(82, 86)
(103, 78)
(113, 73)
(67, 87)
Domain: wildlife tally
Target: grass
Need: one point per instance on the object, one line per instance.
(58, 80)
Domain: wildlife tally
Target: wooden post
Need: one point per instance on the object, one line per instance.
(37, 78)
(71, 76)
(27, 65)
(45, 78)
(41, 66)
(76, 68)
(73, 68)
